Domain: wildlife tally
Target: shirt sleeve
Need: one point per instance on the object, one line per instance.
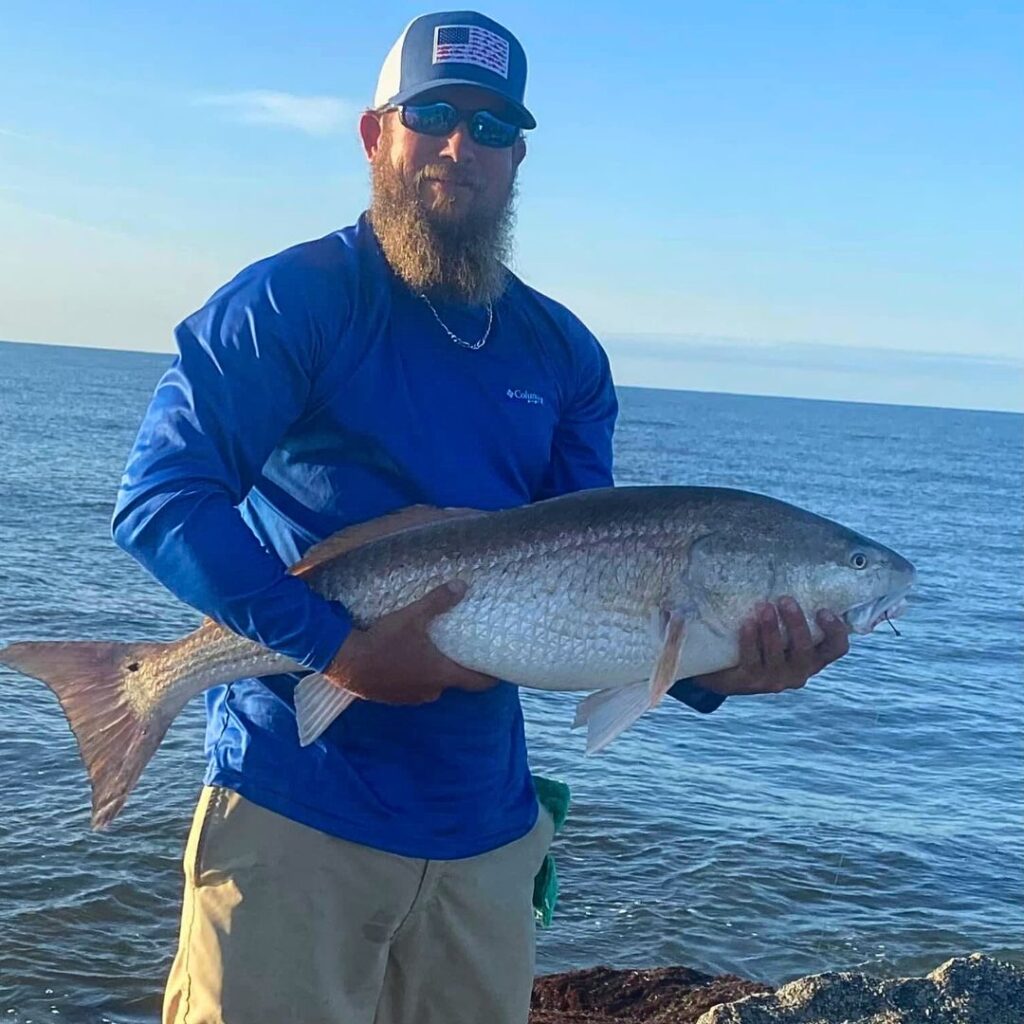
(245, 369)
(581, 450)
(696, 696)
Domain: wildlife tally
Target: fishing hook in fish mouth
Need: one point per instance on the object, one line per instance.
(892, 625)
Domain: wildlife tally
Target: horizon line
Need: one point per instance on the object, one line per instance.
(170, 353)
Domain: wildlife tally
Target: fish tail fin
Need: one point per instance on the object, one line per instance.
(606, 713)
(116, 736)
(318, 702)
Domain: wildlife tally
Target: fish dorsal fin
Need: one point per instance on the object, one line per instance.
(353, 537)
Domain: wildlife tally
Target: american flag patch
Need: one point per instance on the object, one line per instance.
(470, 44)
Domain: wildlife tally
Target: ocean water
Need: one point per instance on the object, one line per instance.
(873, 820)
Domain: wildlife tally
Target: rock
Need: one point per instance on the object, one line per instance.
(601, 995)
(965, 990)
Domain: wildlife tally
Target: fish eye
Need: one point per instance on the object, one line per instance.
(859, 560)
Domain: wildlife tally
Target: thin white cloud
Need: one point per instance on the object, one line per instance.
(314, 115)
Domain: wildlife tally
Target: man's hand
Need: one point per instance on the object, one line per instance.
(395, 661)
(767, 665)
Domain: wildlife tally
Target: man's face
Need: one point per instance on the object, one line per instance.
(454, 177)
(442, 206)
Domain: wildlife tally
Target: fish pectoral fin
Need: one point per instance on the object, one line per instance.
(666, 668)
(318, 702)
(606, 713)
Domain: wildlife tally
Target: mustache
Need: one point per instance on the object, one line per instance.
(449, 173)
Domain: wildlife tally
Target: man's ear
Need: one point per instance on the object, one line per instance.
(518, 151)
(370, 131)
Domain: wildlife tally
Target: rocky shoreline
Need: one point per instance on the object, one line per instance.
(971, 989)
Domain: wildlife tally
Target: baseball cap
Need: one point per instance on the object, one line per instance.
(455, 48)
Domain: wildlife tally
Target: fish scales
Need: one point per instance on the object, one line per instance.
(547, 604)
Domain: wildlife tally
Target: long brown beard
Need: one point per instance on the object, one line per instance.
(448, 254)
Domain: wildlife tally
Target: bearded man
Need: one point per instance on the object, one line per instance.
(384, 873)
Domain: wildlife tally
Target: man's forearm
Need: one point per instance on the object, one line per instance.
(194, 541)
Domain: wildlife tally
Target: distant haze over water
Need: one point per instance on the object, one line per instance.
(819, 371)
(796, 369)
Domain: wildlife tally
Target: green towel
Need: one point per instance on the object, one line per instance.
(553, 796)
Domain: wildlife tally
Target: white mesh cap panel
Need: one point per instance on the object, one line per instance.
(390, 81)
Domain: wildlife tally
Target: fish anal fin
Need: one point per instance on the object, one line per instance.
(318, 702)
(353, 537)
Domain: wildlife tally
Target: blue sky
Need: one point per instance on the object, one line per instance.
(813, 198)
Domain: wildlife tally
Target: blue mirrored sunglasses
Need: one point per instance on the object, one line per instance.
(441, 119)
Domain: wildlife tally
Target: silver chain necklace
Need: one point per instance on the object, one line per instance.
(472, 345)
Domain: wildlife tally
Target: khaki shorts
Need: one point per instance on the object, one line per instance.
(282, 923)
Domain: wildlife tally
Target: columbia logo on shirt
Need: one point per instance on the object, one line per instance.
(521, 395)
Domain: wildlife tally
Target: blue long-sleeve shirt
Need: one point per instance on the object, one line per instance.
(315, 391)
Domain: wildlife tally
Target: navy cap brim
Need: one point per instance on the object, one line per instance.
(525, 118)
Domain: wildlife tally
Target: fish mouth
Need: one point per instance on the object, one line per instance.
(863, 618)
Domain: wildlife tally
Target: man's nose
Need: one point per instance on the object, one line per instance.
(459, 147)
